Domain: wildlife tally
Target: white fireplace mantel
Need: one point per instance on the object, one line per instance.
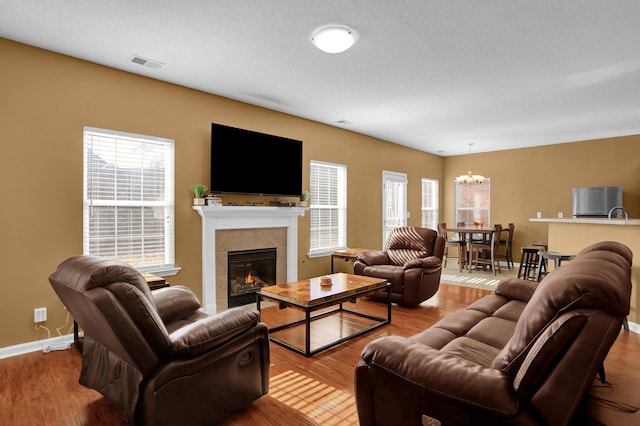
(216, 218)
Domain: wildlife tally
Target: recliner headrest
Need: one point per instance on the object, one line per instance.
(86, 272)
(408, 243)
(611, 246)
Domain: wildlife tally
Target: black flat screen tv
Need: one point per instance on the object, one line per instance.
(248, 162)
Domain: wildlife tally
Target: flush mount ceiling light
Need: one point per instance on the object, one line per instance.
(334, 38)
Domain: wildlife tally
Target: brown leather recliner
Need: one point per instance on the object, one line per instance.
(526, 354)
(411, 263)
(155, 355)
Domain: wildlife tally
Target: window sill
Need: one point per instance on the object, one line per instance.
(324, 253)
(161, 270)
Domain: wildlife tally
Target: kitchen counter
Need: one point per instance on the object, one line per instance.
(569, 235)
(588, 220)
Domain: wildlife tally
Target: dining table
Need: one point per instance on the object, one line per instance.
(465, 235)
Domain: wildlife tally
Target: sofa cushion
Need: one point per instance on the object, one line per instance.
(393, 274)
(175, 302)
(477, 333)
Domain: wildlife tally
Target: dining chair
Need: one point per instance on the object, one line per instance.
(507, 244)
(489, 248)
(459, 244)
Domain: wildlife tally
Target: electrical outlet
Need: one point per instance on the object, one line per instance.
(40, 315)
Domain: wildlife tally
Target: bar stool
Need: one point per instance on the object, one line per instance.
(544, 267)
(529, 263)
(544, 256)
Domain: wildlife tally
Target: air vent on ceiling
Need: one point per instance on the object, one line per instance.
(145, 62)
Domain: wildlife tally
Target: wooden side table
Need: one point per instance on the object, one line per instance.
(348, 254)
(155, 282)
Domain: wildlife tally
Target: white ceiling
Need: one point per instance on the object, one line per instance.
(435, 75)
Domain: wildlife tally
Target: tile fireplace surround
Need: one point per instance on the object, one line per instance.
(241, 228)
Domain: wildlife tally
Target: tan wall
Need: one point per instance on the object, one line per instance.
(526, 181)
(47, 98)
(573, 237)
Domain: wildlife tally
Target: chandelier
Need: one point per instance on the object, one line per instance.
(469, 178)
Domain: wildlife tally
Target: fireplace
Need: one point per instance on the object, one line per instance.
(248, 271)
(227, 228)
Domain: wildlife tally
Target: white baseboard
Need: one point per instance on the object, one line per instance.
(45, 345)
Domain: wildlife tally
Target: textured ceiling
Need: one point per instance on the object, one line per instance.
(432, 75)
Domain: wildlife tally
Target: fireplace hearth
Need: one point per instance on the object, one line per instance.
(248, 271)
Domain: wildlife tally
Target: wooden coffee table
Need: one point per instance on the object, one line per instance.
(309, 296)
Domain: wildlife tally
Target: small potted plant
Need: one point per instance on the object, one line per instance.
(304, 198)
(199, 192)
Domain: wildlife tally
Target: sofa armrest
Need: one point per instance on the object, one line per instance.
(175, 302)
(430, 262)
(374, 257)
(444, 376)
(212, 331)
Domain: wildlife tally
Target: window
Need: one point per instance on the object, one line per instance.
(394, 202)
(430, 204)
(328, 208)
(473, 202)
(128, 199)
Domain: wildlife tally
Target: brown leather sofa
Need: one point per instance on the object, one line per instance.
(155, 355)
(526, 354)
(411, 263)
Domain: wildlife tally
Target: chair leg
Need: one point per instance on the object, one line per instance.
(446, 255)
(463, 260)
(506, 256)
(495, 260)
(510, 258)
(511, 255)
(474, 258)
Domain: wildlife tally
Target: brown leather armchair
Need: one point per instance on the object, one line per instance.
(155, 355)
(526, 354)
(411, 263)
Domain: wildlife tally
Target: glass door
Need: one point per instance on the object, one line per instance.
(394, 202)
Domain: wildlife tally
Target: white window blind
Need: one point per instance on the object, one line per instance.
(430, 203)
(473, 202)
(328, 208)
(128, 199)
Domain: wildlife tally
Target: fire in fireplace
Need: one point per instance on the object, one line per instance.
(248, 271)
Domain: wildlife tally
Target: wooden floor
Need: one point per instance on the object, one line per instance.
(43, 389)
